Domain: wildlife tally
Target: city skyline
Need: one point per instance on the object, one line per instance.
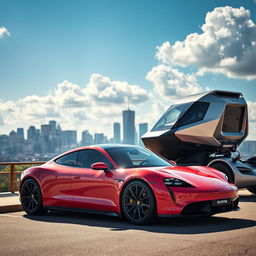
(84, 70)
(50, 139)
(31, 129)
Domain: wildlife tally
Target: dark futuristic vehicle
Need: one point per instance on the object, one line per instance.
(127, 181)
(206, 129)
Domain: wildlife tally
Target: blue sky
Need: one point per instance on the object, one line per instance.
(55, 41)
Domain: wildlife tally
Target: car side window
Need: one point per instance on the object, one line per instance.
(69, 159)
(88, 157)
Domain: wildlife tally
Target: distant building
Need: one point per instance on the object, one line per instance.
(45, 129)
(32, 135)
(117, 135)
(4, 143)
(143, 128)
(20, 134)
(128, 127)
(13, 143)
(53, 125)
(87, 138)
(45, 138)
(33, 145)
(69, 138)
(99, 138)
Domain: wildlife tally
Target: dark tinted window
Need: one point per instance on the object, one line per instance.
(233, 119)
(68, 159)
(88, 157)
(170, 117)
(131, 157)
(194, 114)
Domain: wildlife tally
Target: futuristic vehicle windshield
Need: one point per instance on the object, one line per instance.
(170, 117)
(133, 157)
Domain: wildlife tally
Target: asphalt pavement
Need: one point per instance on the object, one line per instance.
(62, 233)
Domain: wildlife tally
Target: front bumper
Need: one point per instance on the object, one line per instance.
(211, 207)
(193, 201)
(207, 208)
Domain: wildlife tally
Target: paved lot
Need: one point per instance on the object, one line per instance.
(79, 234)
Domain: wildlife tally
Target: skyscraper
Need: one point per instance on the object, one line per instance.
(32, 134)
(69, 138)
(99, 138)
(143, 128)
(87, 138)
(117, 136)
(45, 138)
(128, 126)
(20, 134)
(53, 125)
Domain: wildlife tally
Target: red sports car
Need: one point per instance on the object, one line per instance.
(127, 181)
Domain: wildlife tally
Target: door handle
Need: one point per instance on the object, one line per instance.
(77, 177)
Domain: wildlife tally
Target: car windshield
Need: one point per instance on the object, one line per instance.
(135, 157)
(170, 117)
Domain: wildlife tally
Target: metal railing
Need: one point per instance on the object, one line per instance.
(12, 173)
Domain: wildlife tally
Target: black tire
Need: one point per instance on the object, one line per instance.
(31, 197)
(138, 203)
(225, 169)
(252, 189)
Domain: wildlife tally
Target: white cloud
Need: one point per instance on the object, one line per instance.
(69, 95)
(1, 120)
(3, 32)
(169, 82)
(104, 90)
(226, 45)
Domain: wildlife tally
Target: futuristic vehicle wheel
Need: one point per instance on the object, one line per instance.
(31, 197)
(138, 203)
(225, 169)
(252, 189)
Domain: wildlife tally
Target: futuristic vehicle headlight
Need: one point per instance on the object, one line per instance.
(173, 182)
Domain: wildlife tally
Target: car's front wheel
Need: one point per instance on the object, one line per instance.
(31, 197)
(138, 203)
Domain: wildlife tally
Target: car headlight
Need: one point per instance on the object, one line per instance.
(174, 182)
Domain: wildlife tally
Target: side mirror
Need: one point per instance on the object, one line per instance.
(100, 166)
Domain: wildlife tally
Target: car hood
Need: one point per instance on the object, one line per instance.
(197, 176)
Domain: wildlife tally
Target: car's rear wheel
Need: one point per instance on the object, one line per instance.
(252, 189)
(31, 197)
(138, 203)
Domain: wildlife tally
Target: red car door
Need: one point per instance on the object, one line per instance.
(57, 184)
(94, 189)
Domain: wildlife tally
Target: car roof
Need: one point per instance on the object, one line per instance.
(107, 146)
(104, 146)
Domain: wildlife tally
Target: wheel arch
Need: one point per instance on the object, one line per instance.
(27, 178)
(224, 163)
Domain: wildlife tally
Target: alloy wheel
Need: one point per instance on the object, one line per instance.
(138, 203)
(31, 197)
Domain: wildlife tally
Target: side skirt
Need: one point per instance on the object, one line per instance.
(67, 209)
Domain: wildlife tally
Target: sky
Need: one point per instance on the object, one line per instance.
(82, 62)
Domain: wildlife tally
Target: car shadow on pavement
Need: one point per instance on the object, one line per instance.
(161, 225)
(247, 198)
